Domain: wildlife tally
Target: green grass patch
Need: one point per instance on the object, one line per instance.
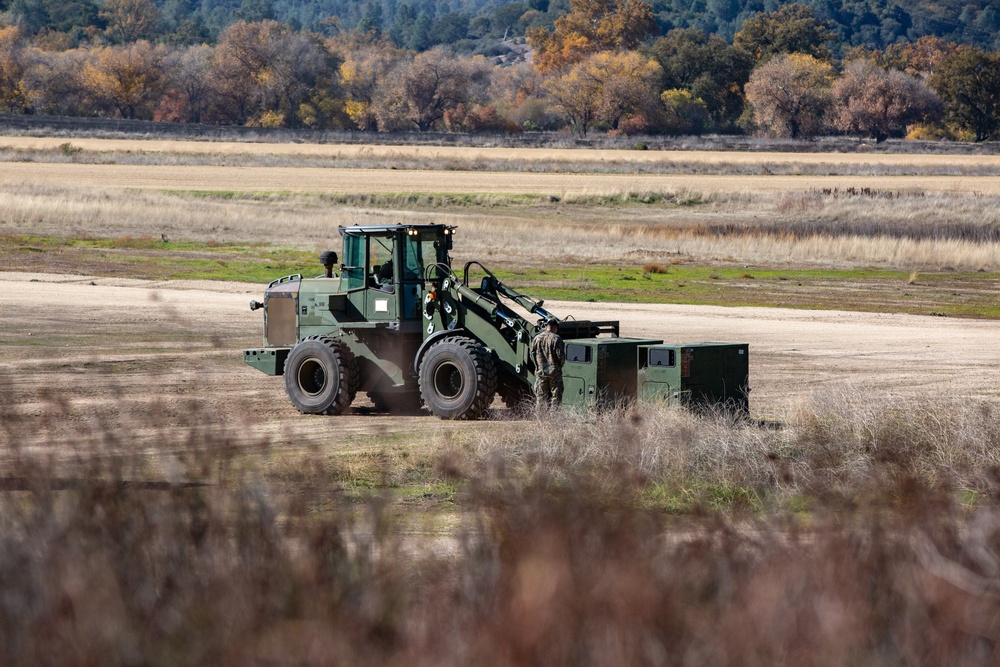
(155, 258)
(692, 499)
(947, 294)
(866, 289)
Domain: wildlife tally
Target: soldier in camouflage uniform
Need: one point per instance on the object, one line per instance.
(548, 353)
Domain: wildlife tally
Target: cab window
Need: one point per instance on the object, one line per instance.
(353, 276)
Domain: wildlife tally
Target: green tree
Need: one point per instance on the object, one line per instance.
(450, 28)
(253, 11)
(371, 20)
(30, 15)
(67, 15)
(707, 66)
(790, 95)
(420, 35)
(130, 20)
(792, 29)
(968, 81)
(871, 101)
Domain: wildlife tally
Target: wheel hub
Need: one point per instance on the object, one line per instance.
(312, 377)
(448, 380)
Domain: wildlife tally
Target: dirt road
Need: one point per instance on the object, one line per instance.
(176, 347)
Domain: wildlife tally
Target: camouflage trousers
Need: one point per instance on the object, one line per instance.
(548, 391)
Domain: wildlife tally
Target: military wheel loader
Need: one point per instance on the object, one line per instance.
(399, 323)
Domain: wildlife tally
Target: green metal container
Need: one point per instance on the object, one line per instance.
(696, 374)
(601, 371)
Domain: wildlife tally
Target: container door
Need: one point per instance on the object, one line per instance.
(574, 391)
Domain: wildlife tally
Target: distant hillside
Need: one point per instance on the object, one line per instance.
(478, 26)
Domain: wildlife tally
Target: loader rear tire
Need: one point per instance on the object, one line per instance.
(319, 375)
(458, 378)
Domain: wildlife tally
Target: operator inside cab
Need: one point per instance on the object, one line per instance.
(381, 250)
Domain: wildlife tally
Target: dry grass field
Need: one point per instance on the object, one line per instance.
(319, 180)
(512, 156)
(162, 503)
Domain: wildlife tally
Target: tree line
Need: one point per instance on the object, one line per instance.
(601, 66)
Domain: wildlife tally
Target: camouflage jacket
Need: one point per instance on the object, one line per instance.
(548, 353)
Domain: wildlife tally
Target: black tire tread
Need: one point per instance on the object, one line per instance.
(486, 377)
(347, 365)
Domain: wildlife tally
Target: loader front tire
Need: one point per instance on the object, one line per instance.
(458, 378)
(320, 374)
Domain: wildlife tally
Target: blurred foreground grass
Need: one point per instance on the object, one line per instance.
(863, 531)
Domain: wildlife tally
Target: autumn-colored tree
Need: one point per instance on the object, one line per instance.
(57, 82)
(606, 87)
(190, 72)
(130, 20)
(243, 52)
(365, 64)
(791, 29)
(707, 66)
(128, 80)
(591, 26)
(15, 92)
(790, 95)
(920, 57)
(417, 94)
(968, 81)
(267, 68)
(871, 101)
(576, 94)
(518, 92)
(630, 82)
